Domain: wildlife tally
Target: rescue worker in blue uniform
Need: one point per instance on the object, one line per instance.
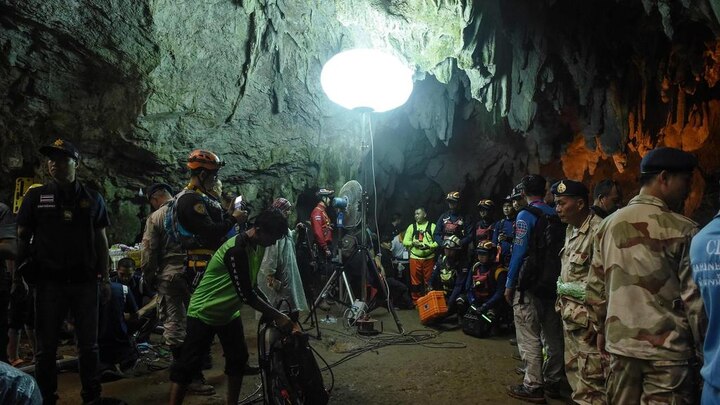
(486, 283)
(68, 260)
(504, 233)
(705, 261)
(534, 315)
(484, 229)
(452, 222)
(450, 275)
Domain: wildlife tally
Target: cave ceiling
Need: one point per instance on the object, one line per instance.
(502, 88)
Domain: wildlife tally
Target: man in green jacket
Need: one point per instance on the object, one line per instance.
(419, 241)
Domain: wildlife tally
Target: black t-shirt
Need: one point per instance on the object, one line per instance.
(204, 218)
(63, 228)
(7, 231)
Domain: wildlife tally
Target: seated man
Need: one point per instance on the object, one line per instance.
(116, 346)
(215, 308)
(131, 278)
(450, 274)
(399, 292)
(486, 283)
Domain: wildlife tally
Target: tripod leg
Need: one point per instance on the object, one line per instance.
(321, 295)
(347, 287)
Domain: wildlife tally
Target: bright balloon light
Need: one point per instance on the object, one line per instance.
(366, 78)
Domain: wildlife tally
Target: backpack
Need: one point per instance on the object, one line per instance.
(174, 229)
(290, 373)
(540, 268)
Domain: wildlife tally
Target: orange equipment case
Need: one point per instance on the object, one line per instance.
(431, 306)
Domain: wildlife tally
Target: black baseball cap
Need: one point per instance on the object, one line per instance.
(62, 146)
(670, 159)
(569, 188)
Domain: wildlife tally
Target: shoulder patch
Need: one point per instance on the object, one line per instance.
(521, 228)
(200, 208)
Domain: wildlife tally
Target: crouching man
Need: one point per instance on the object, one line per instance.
(215, 308)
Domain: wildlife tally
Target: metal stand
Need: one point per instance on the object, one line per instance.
(338, 273)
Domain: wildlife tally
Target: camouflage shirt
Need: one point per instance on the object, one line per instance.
(575, 256)
(640, 290)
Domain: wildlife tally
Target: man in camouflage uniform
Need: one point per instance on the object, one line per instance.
(583, 364)
(646, 307)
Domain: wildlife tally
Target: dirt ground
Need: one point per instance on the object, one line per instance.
(450, 367)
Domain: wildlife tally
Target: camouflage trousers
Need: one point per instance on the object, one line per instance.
(173, 299)
(536, 322)
(584, 367)
(637, 381)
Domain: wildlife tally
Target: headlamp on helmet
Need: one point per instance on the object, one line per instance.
(485, 204)
(453, 196)
(485, 247)
(453, 242)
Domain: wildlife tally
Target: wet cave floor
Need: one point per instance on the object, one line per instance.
(450, 367)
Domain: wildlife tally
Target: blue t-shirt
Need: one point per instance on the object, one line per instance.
(705, 260)
(523, 228)
(113, 335)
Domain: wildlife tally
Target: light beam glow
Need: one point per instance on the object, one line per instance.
(366, 79)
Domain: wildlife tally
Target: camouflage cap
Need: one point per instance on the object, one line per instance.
(670, 159)
(569, 188)
(62, 146)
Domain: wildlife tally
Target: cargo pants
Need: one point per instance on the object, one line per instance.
(637, 381)
(536, 321)
(173, 299)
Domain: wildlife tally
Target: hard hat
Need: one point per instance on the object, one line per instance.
(516, 192)
(485, 204)
(486, 246)
(453, 196)
(453, 242)
(325, 192)
(203, 159)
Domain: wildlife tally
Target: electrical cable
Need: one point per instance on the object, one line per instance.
(247, 399)
(414, 337)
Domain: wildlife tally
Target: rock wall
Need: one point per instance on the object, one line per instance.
(503, 88)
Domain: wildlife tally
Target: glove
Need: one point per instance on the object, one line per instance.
(328, 253)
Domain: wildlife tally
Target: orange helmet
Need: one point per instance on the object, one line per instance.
(453, 196)
(203, 159)
(485, 204)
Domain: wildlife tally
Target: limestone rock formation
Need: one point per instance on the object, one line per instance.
(503, 87)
